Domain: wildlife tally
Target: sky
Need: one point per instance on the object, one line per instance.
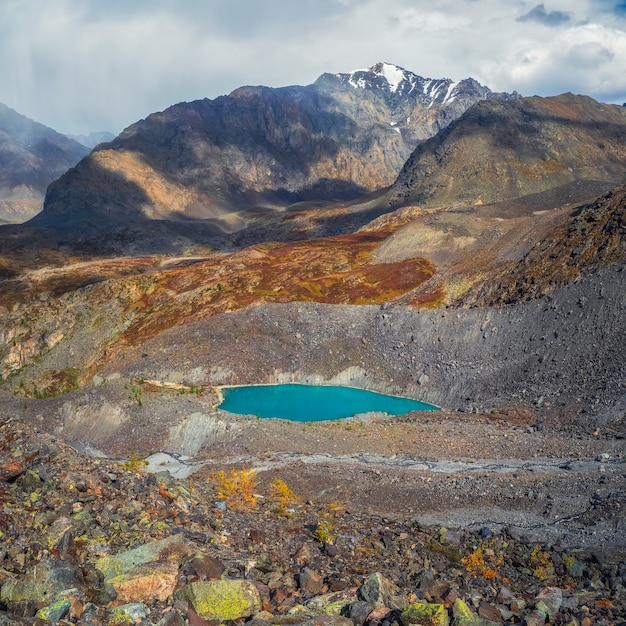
(93, 65)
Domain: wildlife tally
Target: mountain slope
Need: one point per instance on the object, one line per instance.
(31, 157)
(500, 151)
(592, 239)
(259, 149)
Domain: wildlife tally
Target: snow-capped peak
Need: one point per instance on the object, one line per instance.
(393, 75)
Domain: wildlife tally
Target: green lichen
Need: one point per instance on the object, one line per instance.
(425, 614)
(222, 599)
(54, 612)
(119, 617)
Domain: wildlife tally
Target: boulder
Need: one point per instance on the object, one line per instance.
(462, 615)
(549, 601)
(221, 599)
(146, 573)
(43, 584)
(310, 581)
(376, 590)
(424, 614)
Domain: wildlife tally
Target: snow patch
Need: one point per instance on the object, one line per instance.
(393, 75)
(358, 83)
(450, 96)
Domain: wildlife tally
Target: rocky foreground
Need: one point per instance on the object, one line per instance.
(91, 541)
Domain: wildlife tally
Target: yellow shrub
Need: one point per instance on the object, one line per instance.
(236, 487)
(135, 464)
(541, 564)
(325, 531)
(282, 496)
(476, 564)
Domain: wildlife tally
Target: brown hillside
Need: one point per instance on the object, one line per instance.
(500, 151)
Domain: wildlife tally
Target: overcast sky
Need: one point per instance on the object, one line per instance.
(90, 65)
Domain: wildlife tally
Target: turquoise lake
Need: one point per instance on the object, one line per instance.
(314, 403)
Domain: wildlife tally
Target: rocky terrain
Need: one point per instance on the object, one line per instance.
(31, 157)
(90, 541)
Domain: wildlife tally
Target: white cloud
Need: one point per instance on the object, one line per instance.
(79, 66)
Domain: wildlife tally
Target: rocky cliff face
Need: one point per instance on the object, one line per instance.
(259, 149)
(501, 150)
(31, 157)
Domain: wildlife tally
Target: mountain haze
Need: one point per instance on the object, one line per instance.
(31, 157)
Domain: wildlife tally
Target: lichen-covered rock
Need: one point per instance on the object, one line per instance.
(221, 599)
(331, 603)
(42, 585)
(55, 611)
(171, 548)
(462, 615)
(146, 573)
(376, 590)
(146, 583)
(128, 614)
(425, 614)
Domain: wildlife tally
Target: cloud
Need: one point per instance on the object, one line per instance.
(539, 14)
(82, 66)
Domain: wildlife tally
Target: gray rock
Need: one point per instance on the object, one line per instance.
(376, 590)
(549, 601)
(359, 611)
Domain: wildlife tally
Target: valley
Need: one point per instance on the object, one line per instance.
(484, 276)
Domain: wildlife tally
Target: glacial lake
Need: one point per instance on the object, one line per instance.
(313, 403)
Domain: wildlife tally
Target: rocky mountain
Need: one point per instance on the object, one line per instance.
(501, 150)
(259, 149)
(31, 157)
(418, 107)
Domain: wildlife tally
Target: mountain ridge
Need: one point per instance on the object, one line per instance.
(540, 143)
(259, 149)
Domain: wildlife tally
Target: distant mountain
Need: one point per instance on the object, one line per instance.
(31, 157)
(93, 139)
(258, 150)
(499, 151)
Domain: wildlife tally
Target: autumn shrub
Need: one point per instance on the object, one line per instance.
(236, 487)
(282, 497)
(483, 563)
(541, 564)
(325, 531)
(135, 464)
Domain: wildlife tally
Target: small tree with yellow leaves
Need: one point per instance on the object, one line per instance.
(236, 487)
(282, 497)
